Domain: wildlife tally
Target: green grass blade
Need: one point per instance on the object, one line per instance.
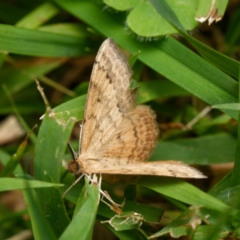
(14, 160)
(82, 224)
(202, 232)
(149, 213)
(20, 77)
(70, 29)
(38, 16)
(40, 225)
(49, 152)
(235, 180)
(127, 235)
(221, 186)
(211, 10)
(201, 150)
(149, 91)
(37, 43)
(73, 108)
(231, 106)
(184, 192)
(8, 184)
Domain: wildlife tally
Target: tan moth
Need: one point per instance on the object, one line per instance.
(117, 135)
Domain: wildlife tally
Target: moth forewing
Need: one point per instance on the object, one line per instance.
(154, 168)
(118, 136)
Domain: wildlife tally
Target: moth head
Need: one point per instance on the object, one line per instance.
(74, 167)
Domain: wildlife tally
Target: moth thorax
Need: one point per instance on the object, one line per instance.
(74, 167)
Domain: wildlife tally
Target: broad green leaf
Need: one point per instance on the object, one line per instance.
(122, 5)
(211, 10)
(145, 21)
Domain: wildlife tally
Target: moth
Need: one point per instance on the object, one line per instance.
(118, 136)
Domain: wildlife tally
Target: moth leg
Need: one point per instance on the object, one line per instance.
(100, 181)
(112, 205)
(94, 179)
(74, 183)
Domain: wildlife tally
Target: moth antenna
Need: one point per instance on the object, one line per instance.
(74, 155)
(80, 136)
